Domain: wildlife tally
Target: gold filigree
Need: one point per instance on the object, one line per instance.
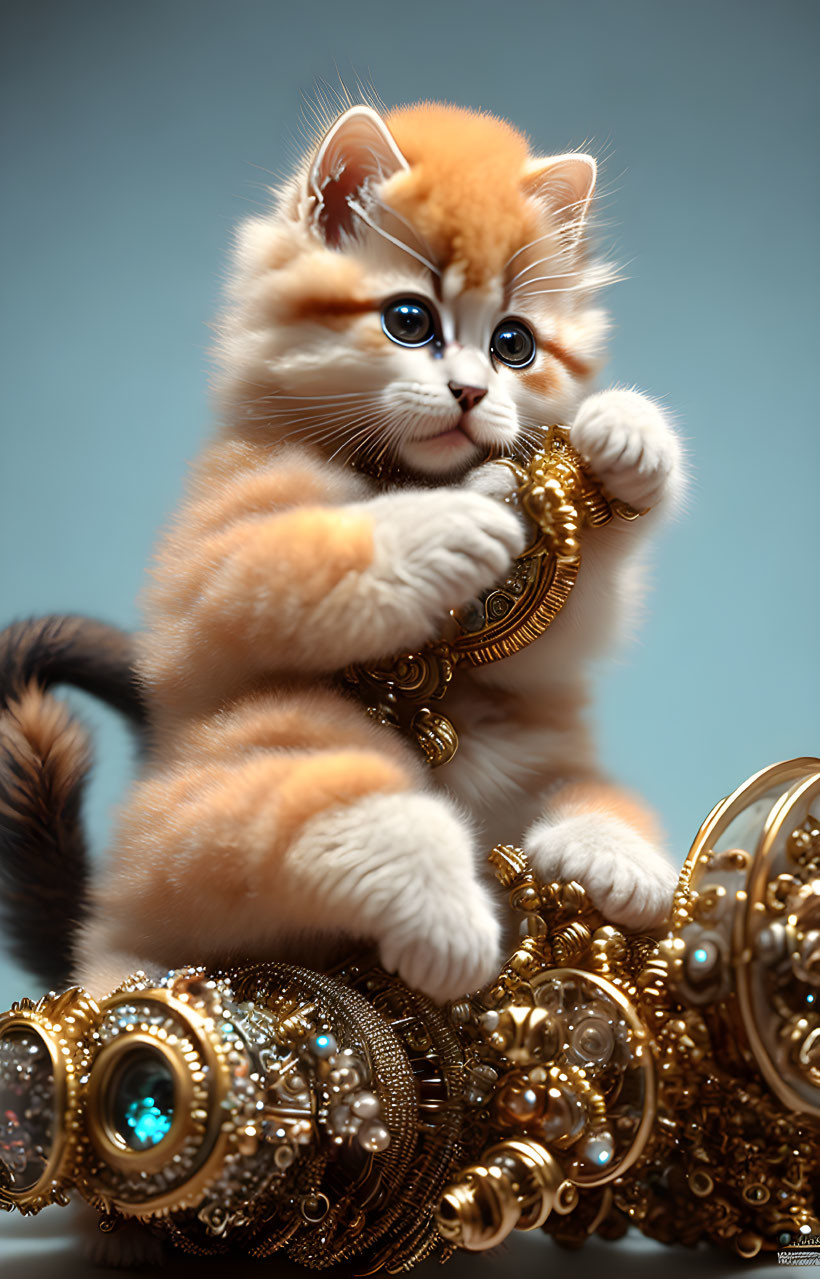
(559, 496)
(55, 1039)
(668, 1079)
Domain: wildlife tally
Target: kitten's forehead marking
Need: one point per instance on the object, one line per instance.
(470, 315)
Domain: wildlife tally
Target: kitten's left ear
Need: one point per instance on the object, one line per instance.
(565, 183)
(358, 149)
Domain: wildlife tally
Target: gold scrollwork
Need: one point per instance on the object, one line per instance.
(559, 496)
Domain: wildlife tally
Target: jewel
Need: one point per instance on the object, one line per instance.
(373, 1135)
(591, 1041)
(703, 961)
(519, 1103)
(597, 1149)
(366, 1105)
(142, 1100)
(314, 1207)
(322, 1045)
(345, 1078)
(26, 1109)
(479, 1084)
(564, 1117)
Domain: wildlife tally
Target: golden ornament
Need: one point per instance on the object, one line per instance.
(559, 496)
(669, 1080)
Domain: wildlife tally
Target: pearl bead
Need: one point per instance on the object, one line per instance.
(373, 1135)
(366, 1105)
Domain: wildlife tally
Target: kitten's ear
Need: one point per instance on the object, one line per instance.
(358, 149)
(565, 183)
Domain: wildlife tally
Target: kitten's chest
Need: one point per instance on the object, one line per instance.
(508, 750)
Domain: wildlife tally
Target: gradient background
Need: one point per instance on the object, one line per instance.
(134, 136)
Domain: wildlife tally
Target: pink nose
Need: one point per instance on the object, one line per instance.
(467, 396)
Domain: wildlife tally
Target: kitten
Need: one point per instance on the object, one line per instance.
(419, 299)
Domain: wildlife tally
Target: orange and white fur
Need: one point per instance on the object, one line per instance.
(275, 819)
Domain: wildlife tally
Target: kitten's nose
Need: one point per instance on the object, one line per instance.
(467, 396)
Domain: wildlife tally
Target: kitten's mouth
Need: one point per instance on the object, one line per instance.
(448, 451)
(457, 434)
(453, 435)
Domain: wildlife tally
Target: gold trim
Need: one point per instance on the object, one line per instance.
(215, 1136)
(107, 1141)
(63, 1023)
(559, 495)
(729, 808)
(780, 819)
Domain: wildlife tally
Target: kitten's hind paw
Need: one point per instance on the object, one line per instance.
(447, 949)
(625, 876)
(399, 869)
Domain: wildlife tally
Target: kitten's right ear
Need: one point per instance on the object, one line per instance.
(357, 150)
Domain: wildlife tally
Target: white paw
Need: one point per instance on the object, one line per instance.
(448, 945)
(400, 870)
(626, 877)
(629, 445)
(493, 479)
(448, 545)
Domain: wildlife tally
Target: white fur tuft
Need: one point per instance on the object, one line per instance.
(627, 878)
(400, 869)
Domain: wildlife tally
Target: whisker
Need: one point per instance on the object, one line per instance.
(393, 213)
(337, 395)
(399, 244)
(558, 275)
(271, 411)
(544, 279)
(546, 236)
(327, 424)
(554, 231)
(584, 286)
(357, 439)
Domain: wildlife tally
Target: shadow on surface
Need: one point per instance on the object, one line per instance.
(45, 1249)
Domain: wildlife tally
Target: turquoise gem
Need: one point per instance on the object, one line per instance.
(142, 1103)
(148, 1122)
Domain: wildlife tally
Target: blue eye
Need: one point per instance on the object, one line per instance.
(408, 322)
(513, 344)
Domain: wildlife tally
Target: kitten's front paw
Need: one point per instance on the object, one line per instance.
(447, 546)
(626, 877)
(629, 445)
(493, 479)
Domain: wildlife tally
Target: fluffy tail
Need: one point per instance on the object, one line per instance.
(44, 761)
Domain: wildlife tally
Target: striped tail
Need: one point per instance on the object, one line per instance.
(44, 760)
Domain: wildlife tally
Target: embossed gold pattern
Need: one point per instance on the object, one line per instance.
(560, 497)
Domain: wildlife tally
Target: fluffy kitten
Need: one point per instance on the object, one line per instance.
(419, 299)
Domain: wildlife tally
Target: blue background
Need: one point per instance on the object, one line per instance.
(134, 136)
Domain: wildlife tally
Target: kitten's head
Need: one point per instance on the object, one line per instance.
(420, 297)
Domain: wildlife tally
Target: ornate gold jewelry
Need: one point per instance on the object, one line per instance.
(669, 1080)
(45, 1049)
(559, 496)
